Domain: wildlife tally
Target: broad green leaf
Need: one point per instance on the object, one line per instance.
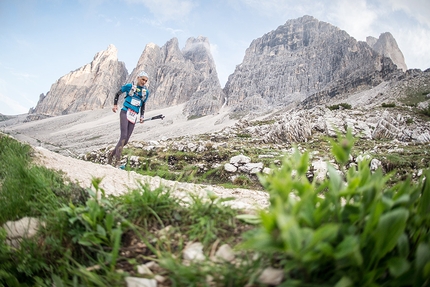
(390, 227)
(403, 245)
(268, 221)
(303, 164)
(350, 213)
(58, 282)
(311, 256)
(91, 237)
(402, 200)
(116, 240)
(335, 180)
(372, 219)
(398, 266)
(84, 242)
(88, 219)
(325, 248)
(344, 282)
(249, 218)
(290, 232)
(101, 231)
(426, 270)
(422, 257)
(109, 222)
(424, 203)
(349, 247)
(327, 232)
(12, 281)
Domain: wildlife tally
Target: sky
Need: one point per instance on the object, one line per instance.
(43, 40)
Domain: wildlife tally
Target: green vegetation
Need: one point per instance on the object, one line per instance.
(341, 105)
(388, 105)
(28, 189)
(415, 96)
(352, 229)
(194, 167)
(426, 111)
(360, 233)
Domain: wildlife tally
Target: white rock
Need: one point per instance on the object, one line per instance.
(194, 252)
(375, 164)
(251, 168)
(321, 170)
(192, 147)
(225, 253)
(230, 168)
(140, 282)
(26, 227)
(362, 157)
(271, 276)
(240, 159)
(144, 270)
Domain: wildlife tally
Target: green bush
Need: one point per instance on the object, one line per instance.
(343, 105)
(388, 105)
(351, 230)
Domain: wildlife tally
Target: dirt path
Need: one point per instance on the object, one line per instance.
(116, 181)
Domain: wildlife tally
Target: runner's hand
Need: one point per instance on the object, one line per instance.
(115, 108)
(141, 120)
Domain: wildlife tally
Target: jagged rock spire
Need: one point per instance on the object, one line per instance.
(90, 87)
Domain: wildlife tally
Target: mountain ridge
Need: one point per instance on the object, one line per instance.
(303, 60)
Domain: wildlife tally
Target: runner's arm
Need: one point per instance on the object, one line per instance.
(115, 100)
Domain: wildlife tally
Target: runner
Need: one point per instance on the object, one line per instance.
(134, 104)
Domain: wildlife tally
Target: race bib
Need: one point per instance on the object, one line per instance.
(131, 116)
(135, 102)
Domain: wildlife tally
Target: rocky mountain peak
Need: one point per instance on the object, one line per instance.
(304, 58)
(198, 51)
(171, 51)
(90, 87)
(387, 46)
(110, 54)
(176, 76)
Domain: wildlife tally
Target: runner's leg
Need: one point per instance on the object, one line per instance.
(130, 129)
(124, 125)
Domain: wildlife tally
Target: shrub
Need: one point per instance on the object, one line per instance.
(343, 105)
(388, 105)
(351, 230)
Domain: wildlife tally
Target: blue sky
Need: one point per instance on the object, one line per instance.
(43, 40)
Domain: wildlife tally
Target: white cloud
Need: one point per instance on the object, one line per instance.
(285, 9)
(416, 55)
(417, 9)
(166, 10)
(355, 17)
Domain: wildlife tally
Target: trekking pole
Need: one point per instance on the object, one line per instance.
(161, 117)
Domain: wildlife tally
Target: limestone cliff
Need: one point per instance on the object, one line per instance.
(386, 45)
(87, 88)
(304, 58)
(176, 76)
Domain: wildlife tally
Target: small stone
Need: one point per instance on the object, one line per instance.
(225, 253)
(194, 252)
(271, 276)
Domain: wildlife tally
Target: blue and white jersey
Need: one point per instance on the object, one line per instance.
(135, 97)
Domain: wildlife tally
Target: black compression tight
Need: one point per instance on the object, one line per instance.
(126, 128)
